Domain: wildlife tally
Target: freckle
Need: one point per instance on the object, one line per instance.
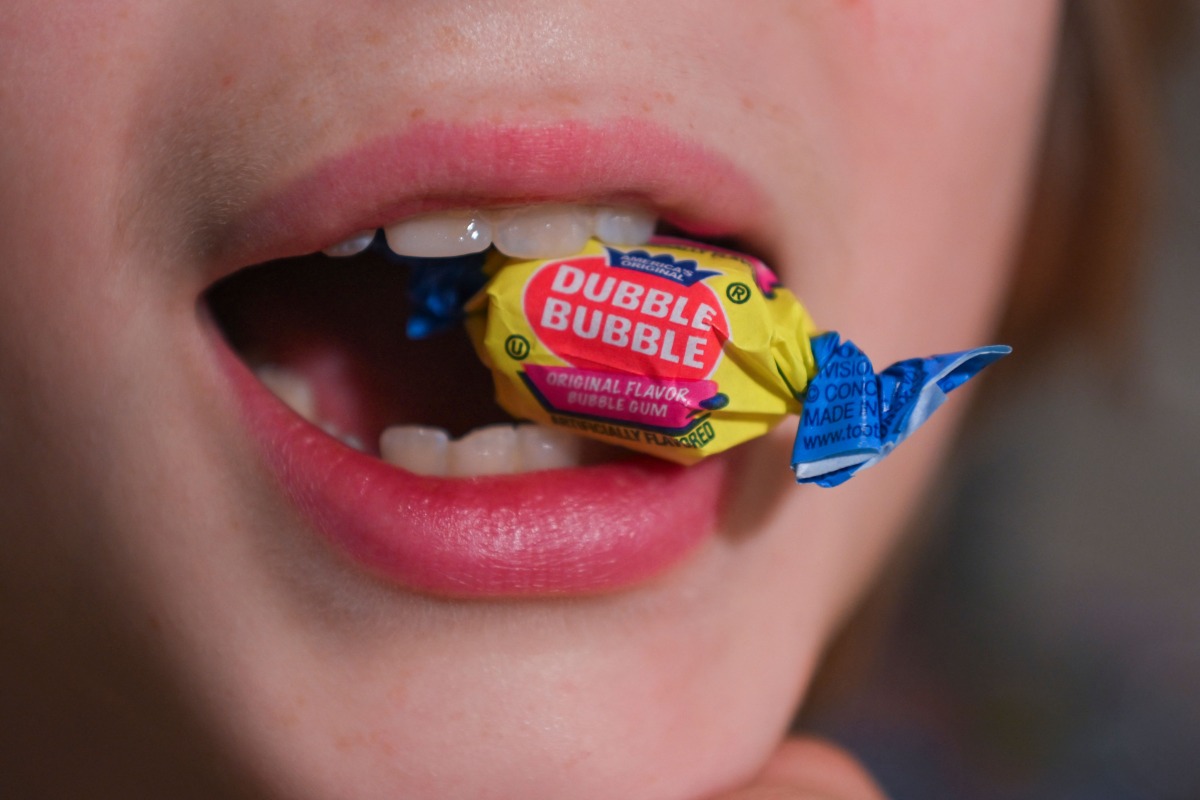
(646, 107)
(289, 716)
(349, 741)
(416, 114)
(578, 758)
(747, 103)
(287, 719)
(450, 39)
(374, 37)
(383, 744)
(567, 97)
(669, 99)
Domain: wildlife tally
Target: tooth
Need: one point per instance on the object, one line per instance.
(541, 447)
(415, 448)
(491, 450)
(546, 231)
(352, 246)
(441, 235)
(353, 442)
(291, 388)
(626, 226)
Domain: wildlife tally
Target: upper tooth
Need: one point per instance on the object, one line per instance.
(625, 226)
(352, 246)
(548, 231)
(441, 235)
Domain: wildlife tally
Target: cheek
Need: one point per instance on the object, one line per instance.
(913, 139)
(952, 158)
(925, 147)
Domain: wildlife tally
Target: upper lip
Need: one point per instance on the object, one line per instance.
(434, 166)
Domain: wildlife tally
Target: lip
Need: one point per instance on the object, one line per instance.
(436, 166)
(572, 531)
(569, 531)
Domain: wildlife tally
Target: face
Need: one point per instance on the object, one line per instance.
(178, 590)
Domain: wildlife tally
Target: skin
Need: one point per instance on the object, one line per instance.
(174, 629)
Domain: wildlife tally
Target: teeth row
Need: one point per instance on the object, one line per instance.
(490, 450)
(542, 231)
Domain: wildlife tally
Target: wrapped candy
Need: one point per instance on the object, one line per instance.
(682, 350)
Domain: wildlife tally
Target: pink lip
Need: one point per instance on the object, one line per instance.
(438, 165)
(572, 531)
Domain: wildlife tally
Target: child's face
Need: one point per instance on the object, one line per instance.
(875, 154)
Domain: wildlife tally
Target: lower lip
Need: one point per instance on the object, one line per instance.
(571, 531)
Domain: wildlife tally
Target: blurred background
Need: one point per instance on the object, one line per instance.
(1047, 642)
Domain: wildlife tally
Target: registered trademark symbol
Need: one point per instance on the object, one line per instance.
(738, 293)
(517, 347)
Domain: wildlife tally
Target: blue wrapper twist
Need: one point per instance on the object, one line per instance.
(853, 417)
(438, 288)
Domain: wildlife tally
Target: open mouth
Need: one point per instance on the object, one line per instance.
(394, 446)
(392, 449)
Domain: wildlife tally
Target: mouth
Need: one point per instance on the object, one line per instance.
(392, 448)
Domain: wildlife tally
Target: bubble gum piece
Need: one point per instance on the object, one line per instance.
(681, 350)
(672, 349)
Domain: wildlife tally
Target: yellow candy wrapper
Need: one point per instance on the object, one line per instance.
(673, 348)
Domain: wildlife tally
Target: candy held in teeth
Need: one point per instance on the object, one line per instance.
(681, 351)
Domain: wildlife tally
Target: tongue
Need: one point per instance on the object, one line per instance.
(341, 325)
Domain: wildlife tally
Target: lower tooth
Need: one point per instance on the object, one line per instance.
(541, 447)
(291, 388)
(491, 450)
(424, 451)
(353, 442)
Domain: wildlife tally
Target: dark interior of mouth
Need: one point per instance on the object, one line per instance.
(340, 324)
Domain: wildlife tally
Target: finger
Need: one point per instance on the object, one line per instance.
(810, 769)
